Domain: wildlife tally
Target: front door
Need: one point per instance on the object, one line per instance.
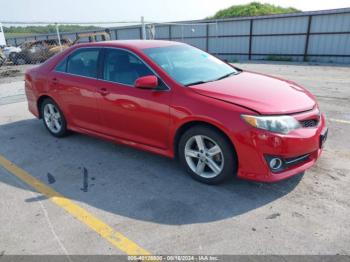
(131, 113)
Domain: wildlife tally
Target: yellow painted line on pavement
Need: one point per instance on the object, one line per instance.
(339, 121)
(116, 238)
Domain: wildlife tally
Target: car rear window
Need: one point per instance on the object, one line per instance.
(83, 62)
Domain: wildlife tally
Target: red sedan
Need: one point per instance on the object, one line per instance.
(178, 101)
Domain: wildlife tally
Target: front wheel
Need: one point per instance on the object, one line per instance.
(207, 155)
(53, 118)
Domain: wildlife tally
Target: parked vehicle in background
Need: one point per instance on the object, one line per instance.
(38, 51)
(176, 100)
(32, 52)
(11, 51)
(92, 37)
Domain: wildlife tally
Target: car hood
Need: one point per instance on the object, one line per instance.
(264, 94)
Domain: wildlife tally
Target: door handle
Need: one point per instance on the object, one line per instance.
(54, 81)
(103, 91)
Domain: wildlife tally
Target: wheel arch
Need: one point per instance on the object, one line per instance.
(190, 124)
(40, 102)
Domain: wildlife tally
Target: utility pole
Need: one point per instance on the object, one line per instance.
(58, 36)
(144, 37)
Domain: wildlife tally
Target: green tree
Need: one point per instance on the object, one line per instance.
(253, 9)
(28, 30)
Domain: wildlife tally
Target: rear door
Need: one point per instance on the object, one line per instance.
(74, 81)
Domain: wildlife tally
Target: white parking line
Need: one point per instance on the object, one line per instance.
(115, 237)
(339, 121)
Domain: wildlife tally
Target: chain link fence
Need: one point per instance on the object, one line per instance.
(315, 36)
(34, 49)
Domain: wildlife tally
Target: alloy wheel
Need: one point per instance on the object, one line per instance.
(52, 118)
(204, 156)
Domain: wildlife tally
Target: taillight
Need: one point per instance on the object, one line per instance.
(27, 77)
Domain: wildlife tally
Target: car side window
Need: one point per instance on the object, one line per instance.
(62, 66)
(123, 67)
(83, 62)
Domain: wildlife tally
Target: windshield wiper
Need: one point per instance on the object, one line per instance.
(197, 83)
(224, 76)
(202, 82)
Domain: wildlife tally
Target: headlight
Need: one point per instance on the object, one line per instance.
(278, 124)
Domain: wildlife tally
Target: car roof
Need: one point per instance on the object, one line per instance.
(136, 44)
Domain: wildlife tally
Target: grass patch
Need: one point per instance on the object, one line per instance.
(13, 35)
(279, 58)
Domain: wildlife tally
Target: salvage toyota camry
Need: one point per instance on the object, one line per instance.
(175, 100)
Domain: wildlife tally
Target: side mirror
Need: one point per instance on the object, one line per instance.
(147, 82)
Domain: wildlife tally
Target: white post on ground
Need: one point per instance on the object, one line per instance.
(58, 36)
(143, 28)
(217, 33)
(182, 33)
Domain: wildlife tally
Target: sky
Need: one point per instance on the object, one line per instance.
(132, 10)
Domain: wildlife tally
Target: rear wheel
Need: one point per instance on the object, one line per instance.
(53, 118)
(207, 155)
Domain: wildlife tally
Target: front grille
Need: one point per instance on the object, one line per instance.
(296, 160)
(309, 123)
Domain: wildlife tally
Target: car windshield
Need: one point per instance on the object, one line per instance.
(189, 65)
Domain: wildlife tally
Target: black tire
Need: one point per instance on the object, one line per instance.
(229, 156)
(63, 131)
(12, 57)
(19, 59)
(2, 61)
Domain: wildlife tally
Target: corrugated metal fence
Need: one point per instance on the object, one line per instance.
(318, 36)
